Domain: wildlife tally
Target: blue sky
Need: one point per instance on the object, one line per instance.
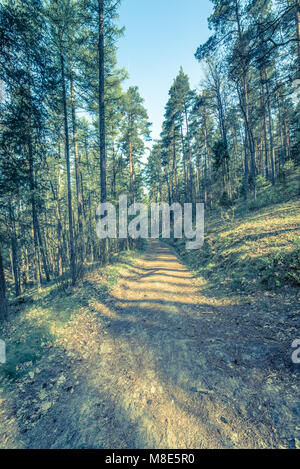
(160, 36)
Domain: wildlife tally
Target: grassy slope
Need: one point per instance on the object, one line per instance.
(46, 322)
(248, 250)
(245, 254)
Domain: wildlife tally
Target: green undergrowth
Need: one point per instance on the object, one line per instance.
(247, 250)
(35, 326)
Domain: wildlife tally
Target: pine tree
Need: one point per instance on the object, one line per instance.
(136, 128)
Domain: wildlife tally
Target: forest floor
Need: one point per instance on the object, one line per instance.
(152, 362)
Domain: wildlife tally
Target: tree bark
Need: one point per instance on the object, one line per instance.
(298, 36)
(102, 104)
(14, 250)
(246, 168)
(3, 301)
(38, 245)
(34, 218)
(131, 161)
(244, 101)
(263, 107)
(175, 181)
(184, 158)
(205, 158)
(77, 169)
(190, 157)
(67, 151)
(272, 148)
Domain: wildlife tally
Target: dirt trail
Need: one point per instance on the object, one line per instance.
(167, 368)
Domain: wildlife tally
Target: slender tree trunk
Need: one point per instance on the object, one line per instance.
(298, 35)
(38, 245)
(260, 168)
(263, 107)
(25, 269)
(114, 172)
(287, 139)
(184, 159)
(168, 185)
(175, 182)
(14, 250)
(3, 301)
(131, 162)
(43, 254)
(251, 143)
(298, 62)
(59, 223)
(272, 148)
(281, 132)
(236, 154)
(102, 104)
(205, 158)
(244, 100)
(102, 127)
(190, 157)
(91, 241)
(198, 175)
(56, 196)
(34, 217)
(77, 170)
(246, 169)
(67, 151)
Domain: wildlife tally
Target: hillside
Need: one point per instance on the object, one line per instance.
(144, 353)
(249, 252)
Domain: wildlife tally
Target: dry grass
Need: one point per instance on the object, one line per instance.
(249, 252)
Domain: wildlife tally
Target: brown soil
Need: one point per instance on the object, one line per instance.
(160, 366)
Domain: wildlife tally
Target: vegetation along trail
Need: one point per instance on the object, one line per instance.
(131, 343)
(158, 366)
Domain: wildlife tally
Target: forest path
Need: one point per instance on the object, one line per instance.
(166, 368)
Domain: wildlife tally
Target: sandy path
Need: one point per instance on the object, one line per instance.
(169, 369)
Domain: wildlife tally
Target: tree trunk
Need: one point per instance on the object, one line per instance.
(34, 218)
(246, 169)
(25, 268)
(263, 106)
(298, 35)
(38, 245)
(102, 104)
(131, 162)
(114, 173)
(102, 130)
(175, 182)
(77, 170)
(205, 158)
(43, 254)
(184, 158)
(245, 108)
(251, 144)
(59, 223)
(14, 250)
(287, 139)
(3, 301)
(190, 158)
(272, 148)
(67, 151)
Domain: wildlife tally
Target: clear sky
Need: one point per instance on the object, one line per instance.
(160, 36)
